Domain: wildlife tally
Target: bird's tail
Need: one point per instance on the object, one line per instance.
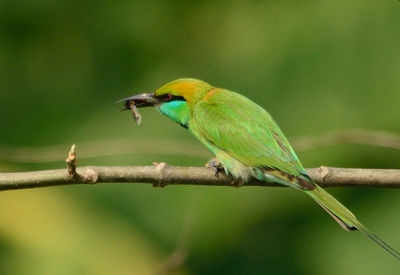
(345, 218)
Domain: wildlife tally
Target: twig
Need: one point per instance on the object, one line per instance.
(161, 175)
(175, 175)
(178, 257)
(347, 136)
(71, 162)
(122, 146)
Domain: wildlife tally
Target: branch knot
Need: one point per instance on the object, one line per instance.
(324, 172)
(91, 176)
(160, 168)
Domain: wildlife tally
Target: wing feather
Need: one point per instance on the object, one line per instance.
(244, 130)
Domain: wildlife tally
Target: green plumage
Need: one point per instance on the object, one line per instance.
(247, 141)
(243, 136)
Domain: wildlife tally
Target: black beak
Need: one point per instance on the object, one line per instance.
(140, 100)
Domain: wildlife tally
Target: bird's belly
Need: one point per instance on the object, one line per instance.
(234, 167)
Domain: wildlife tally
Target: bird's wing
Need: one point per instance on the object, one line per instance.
(244, 130)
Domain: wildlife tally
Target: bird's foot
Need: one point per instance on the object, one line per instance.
(159, 165)
(215, 164)
(238, 182)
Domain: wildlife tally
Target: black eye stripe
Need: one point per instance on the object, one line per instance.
(170, 97)
(178, 98)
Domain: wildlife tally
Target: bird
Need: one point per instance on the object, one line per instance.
(245, 139)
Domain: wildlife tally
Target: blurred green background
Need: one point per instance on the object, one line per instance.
(315, 65)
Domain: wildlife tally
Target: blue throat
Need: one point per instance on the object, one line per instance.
(176, 110)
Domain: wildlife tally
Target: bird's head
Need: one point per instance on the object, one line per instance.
(174, 99)
(188, 90)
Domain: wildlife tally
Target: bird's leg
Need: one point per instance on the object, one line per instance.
(238, 182)
(215, 164)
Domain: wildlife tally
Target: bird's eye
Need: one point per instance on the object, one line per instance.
(169, 97)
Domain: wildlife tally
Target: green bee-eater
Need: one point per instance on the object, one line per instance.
(245, 140)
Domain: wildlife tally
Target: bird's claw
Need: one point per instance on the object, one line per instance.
(159, 165)
(238, 182)
(215, 164)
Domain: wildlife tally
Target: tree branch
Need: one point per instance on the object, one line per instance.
(347, 136)
(161, 175)
(122, 146)
(175, 175)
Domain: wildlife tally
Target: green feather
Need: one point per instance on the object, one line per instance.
(249, 143)
(241, 133)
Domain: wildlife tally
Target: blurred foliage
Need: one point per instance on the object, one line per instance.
(315, 65)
